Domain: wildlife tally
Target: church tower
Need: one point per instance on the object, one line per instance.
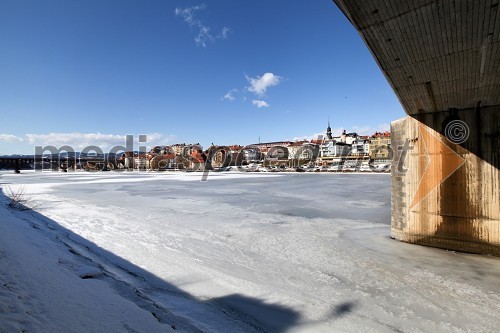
(329, 131)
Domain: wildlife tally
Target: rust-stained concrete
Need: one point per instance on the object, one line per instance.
(442, 60)
(444, 195)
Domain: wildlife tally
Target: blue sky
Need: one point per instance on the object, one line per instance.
(221, 71)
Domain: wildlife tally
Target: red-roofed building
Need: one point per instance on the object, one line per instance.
(380, 146)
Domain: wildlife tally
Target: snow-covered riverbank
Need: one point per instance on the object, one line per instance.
(237, 253)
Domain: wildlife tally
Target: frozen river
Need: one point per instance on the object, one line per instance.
(268, 252)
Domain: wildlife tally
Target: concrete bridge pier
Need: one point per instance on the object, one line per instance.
(441, 59)
(446, 180)
(17, 166)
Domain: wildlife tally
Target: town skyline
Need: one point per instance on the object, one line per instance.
(132, 140)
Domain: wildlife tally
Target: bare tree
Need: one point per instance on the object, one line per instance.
(19, 199)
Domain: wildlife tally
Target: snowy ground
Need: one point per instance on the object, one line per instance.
(150, 252)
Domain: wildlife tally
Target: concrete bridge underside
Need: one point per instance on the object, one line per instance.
(442, 58)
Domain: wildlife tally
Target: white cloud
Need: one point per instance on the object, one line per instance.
(335, 132)
(78, 141)
(10, 138)
(316, 136)
(188, 13)
(384, 127)
(223, 34)
(260, 104)
(369, 130)
(229, 96)
(260, 84)
(204, 35)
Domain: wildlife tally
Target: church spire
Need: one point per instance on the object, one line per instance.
(329, 130)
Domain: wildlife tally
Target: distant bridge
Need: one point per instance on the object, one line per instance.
(18, 163)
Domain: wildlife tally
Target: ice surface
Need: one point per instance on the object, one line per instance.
(258, 252)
